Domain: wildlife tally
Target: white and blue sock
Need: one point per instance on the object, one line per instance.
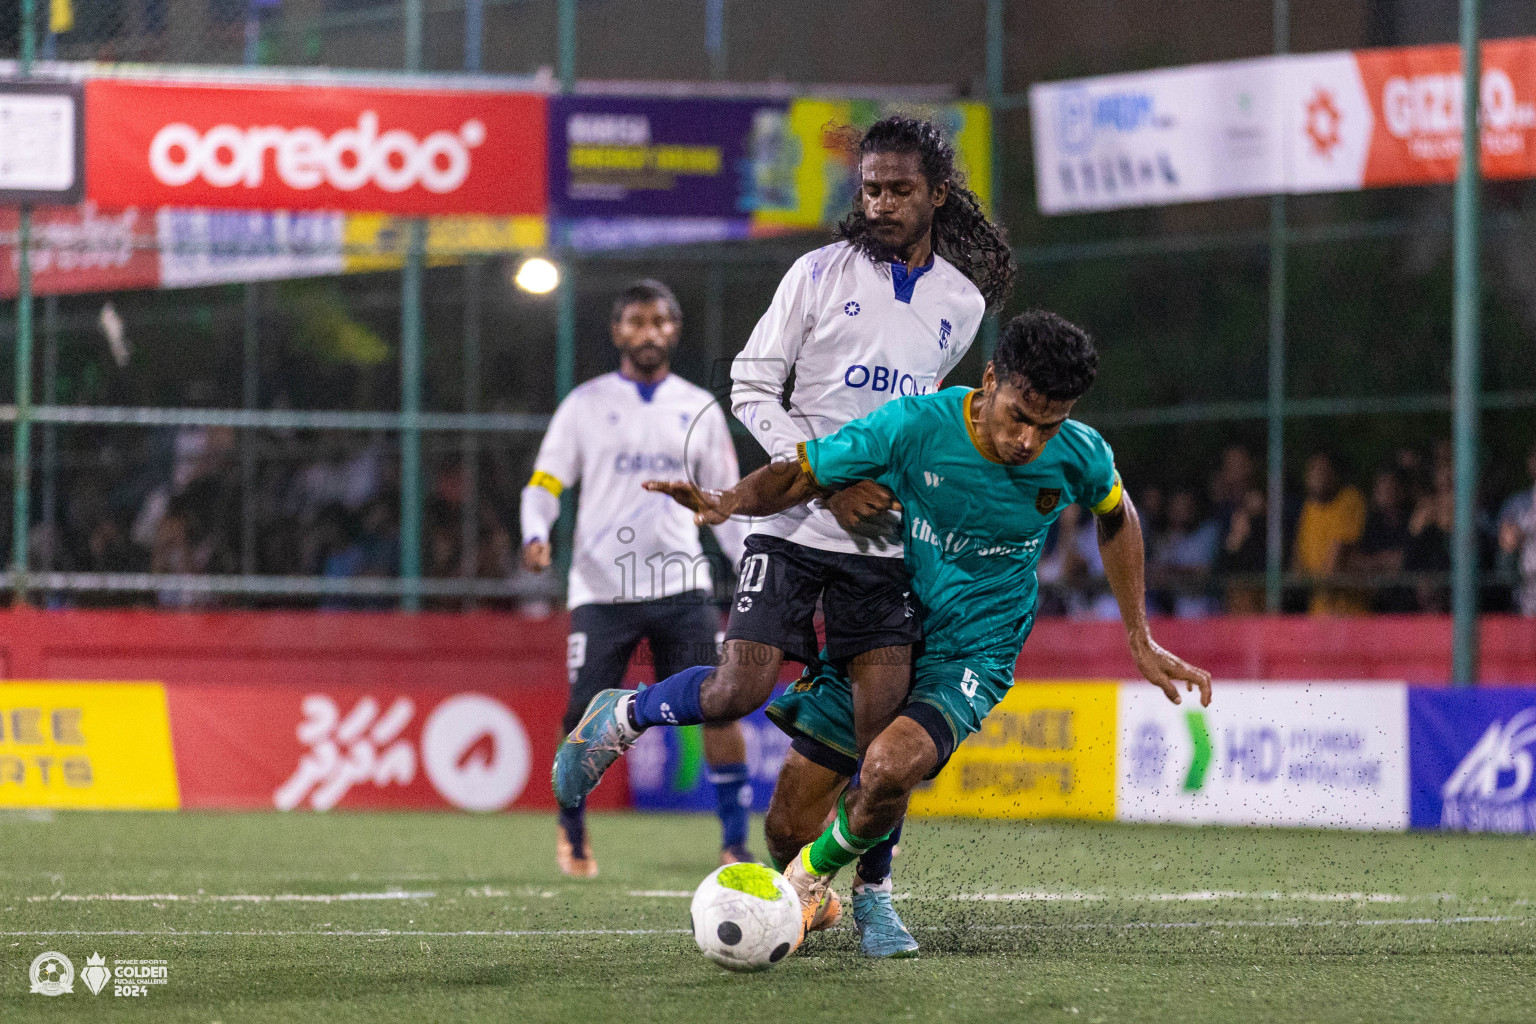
(673, 701)
(733, 799)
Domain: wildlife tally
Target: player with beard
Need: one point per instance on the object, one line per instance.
(637, 570)
(884, 313)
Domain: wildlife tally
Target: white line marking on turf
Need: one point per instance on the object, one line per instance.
(1181, 897)
(681, 894)
(282, 897)
(541, 933)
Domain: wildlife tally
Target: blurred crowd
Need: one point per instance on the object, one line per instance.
(1381, 545)
(323, 504)
(327, 504)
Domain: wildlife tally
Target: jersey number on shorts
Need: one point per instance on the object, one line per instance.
(754, 573)
(969, 684)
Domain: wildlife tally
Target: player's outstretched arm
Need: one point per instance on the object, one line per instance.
(768, 491)
(1120, 545)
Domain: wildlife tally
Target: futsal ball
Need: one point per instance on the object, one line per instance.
(746, 917)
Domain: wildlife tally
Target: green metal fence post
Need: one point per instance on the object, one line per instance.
(1465, 414)
(249, 397)
(1274, 539)
(469, 518)
(566, 30)
(410, 367)
(995, 80)
(21, 454)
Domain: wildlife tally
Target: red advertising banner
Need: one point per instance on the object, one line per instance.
(295, 147)
(1416, 97)
(80, 249)
(320, 747)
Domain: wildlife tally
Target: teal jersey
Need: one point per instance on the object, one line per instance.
(974, 527)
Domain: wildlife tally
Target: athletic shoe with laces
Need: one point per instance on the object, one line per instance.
(881, 933)
(599, 739)
(820, 908)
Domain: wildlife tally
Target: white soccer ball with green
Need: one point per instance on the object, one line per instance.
(746, 917)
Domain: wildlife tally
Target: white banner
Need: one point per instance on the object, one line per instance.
(1170, 136)
(1328, 755)
(199, 247)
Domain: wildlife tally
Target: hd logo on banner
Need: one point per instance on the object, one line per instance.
(1474, 759)
(1311, 755)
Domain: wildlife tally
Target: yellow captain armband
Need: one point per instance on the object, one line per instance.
(1112, 500)
(549, 483)
(805, 462)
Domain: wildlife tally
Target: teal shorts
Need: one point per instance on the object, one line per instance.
(949, 698)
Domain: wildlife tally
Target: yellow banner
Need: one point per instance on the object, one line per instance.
(86, 746)
(377, 241)
(813, 184)
(1045, 751)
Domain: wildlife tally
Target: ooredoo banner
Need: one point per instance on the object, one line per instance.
(289, 147)
(1329, 755)
(323, 747)
(1473, 760)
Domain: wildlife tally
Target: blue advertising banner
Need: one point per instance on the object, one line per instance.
(667, 771)
(1471, 759)
(623, 156)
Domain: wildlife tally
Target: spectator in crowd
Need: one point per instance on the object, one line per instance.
(1332, 519)
(1230, 485)
(1517, 538)
(1384, 543)
(1186, 553)
(1429, 546)
(1244, 550)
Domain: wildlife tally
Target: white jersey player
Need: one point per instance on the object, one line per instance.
(887, 311)
(637, 567)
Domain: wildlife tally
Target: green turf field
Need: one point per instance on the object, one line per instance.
(353, 917)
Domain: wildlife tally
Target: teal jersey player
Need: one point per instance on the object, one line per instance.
(974, 529)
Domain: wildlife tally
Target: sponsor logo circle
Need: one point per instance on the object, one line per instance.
(52, 974)
(475, 752)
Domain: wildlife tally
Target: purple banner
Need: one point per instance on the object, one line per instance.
(626, 157)
(1473, 759)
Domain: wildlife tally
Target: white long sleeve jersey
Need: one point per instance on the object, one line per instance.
(610, 435)
(856, 334)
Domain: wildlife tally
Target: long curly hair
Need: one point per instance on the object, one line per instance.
(962, 234)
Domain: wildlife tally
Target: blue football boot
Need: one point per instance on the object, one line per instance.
(881, 933)
(599, 739)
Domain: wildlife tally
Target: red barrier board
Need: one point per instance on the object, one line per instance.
(80, 249)
(297, 747)
(292, 147)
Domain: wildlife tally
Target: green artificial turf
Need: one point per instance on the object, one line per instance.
(1067, 922)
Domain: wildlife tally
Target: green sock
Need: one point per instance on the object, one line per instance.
(837, 846)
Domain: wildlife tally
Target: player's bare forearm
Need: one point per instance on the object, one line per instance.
(774, 488)
(1124, 555)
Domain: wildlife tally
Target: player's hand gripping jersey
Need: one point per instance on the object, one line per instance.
(610, 434)
(856, 334)
(974, 530)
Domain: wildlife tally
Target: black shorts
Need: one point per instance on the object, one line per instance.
(683, 631)
(866, 600)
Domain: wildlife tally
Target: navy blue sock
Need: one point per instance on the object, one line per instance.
(673, 701)
(573, 822)
(733, 797)
(875, 865)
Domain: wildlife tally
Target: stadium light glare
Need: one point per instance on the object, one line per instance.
(537, 275)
